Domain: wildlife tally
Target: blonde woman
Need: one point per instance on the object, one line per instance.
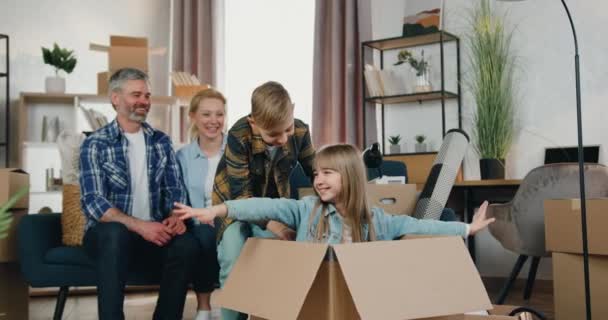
(198, 161)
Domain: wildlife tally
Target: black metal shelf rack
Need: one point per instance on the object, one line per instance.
(440, 37)
(6, 75)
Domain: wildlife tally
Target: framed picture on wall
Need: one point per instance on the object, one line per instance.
(422, 17)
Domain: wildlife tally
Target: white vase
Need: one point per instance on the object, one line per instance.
(395, 148)
(421, 147)
(423, 84)
(54, 85)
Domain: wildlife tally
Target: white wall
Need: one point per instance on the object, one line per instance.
(546, 108)
(268, 40)
(73, 24)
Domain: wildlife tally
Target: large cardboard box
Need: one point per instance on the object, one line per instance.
(8, 245)
(11, 180)
(405, 279)
(14, 293)
(393, 198)
(563, 237)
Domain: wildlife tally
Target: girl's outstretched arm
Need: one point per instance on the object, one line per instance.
(204, 215)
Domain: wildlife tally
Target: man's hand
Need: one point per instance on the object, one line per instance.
(282, 231)
(155, 232)
(176, 225)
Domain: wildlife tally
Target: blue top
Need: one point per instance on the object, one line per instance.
(105, 180)
(296, 214)
(194, 165)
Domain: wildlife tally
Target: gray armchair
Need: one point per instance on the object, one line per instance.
(520, 223)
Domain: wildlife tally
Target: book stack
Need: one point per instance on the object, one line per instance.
(94, 118)
(382, 83)
(186, 85)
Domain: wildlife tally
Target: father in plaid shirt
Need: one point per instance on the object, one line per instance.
(129, 181)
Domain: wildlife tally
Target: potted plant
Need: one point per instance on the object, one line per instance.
(420, 145)
(60, 59)
(491, 82)
(423, 84)
(394, 141)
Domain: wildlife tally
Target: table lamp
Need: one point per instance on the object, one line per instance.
(581, 160)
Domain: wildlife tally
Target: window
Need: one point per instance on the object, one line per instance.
(268, 40)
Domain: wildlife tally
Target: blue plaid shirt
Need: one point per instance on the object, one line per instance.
(105, 177)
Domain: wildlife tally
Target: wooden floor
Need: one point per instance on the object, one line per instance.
(141, 305)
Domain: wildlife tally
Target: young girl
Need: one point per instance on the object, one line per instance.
(198, 161)
(340, 212)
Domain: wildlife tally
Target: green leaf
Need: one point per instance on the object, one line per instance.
(5, 217)
(60, 58)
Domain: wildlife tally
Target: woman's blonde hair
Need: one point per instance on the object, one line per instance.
(346, 160)
(209, 93)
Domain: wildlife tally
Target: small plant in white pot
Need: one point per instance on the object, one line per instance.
(60, 59)
(420, 145)
(423, 83)
(394, 141)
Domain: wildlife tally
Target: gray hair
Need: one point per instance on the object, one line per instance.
(119, 77)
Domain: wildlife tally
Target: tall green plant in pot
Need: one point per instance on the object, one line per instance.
(491, 82)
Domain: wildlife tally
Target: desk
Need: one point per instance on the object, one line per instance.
(472, 194)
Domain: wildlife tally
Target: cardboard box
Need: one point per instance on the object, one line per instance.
(563, 237)
(393, 198)
(8, 245)
(569, 286)
(14, 293)
(563, 226)
(408, 279)
(103, 79)
(11, 180)
(125, 52)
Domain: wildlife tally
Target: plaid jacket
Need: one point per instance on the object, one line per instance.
(242, 171)
(105, 180)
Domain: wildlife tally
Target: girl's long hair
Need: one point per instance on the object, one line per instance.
(346, 160)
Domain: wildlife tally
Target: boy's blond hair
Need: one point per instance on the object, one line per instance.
(209, 93)
(271, 105)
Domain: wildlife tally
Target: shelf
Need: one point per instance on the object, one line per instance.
(404, 42)
(38, 144)
(410, 153)
(413, 97)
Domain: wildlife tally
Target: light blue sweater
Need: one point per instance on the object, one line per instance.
(296, 214)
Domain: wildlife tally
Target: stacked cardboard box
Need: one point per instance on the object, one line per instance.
(563, 237)
(408, 279)
(13, 289)
(123, 52)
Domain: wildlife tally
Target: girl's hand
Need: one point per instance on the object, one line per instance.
(204, 215)
(480, 220)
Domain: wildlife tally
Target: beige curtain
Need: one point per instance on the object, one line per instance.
(193, 39)
(340, 26)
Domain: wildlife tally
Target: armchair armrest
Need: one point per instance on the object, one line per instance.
(37, 234)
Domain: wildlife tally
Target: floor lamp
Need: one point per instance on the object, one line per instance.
(581, 160)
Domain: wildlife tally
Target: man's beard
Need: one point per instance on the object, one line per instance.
(137, 117)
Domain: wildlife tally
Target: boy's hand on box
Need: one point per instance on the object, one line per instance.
(280, 230)
(204, 215)
(480, 219)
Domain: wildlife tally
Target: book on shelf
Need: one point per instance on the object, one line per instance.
(382, 83)
(94, 118)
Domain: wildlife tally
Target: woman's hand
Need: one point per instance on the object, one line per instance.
(480, 220)
(204, 215)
